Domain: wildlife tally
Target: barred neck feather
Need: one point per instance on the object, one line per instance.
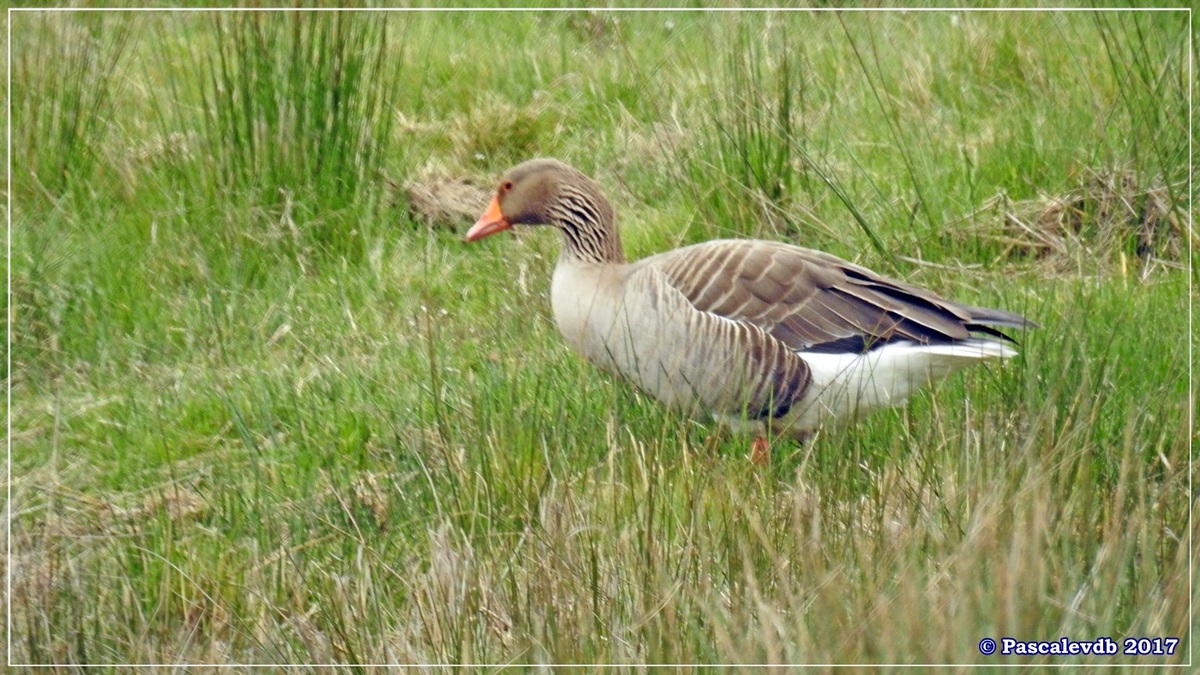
(587, 222)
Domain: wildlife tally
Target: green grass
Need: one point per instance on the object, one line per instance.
(261, 415)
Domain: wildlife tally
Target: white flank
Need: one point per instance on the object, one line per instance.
(847, 386)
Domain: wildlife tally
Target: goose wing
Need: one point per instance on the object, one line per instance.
(816, 302)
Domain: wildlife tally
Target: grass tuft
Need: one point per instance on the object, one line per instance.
(299, 103)
(68, 76)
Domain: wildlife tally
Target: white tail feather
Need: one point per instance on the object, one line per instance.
(846, 386)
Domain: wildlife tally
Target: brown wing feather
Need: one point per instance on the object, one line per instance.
(811, 300)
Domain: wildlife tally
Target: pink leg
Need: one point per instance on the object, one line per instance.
(760, 452)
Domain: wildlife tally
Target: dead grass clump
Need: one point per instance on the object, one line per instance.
(596, 27)
(496, 134)
(1110, 216)
(438, 198)
(456, 615)
(175, 502)
(649, 144)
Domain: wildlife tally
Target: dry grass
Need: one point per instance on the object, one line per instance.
(1109, 220)
(437, 198)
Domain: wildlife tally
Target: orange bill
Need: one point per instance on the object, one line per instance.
(491, 222)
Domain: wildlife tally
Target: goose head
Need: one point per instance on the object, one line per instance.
(548, 192)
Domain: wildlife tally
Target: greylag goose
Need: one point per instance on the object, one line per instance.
(757, 334)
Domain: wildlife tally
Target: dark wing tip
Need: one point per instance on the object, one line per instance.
(997, 317)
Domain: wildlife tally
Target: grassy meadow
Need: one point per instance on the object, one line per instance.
(267, 407)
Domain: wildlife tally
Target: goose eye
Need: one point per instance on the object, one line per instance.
(506, 186)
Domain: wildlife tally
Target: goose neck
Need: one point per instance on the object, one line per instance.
(595, 241)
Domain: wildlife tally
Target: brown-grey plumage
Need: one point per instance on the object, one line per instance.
(741, 329)
(813, 301)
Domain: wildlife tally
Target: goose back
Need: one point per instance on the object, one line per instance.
(816, 302)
